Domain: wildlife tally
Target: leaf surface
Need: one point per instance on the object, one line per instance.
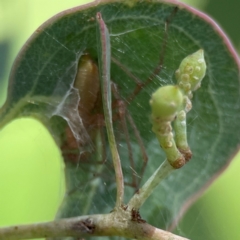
(143, 35)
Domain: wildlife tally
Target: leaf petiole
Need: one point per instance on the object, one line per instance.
(104, 53)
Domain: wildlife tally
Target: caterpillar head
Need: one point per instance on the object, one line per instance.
(191, 71)
(166, 102)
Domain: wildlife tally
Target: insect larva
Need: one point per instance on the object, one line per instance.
(165, 104)
(171, 104)
(191, 71)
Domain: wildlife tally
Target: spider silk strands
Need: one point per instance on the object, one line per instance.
(146, 190)
(104, 58)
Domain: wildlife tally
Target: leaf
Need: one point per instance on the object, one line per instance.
(148, 40)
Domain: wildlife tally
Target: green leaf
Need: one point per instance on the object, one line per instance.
(148, 40)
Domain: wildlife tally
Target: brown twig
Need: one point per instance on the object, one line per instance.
(118, 223)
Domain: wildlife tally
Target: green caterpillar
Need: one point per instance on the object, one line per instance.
(191, 72)
(171, 104)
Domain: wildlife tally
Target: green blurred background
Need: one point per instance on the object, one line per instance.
(31, 186)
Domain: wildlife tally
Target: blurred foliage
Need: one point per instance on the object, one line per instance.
(198, 4)
(216, 215)
(227, 15)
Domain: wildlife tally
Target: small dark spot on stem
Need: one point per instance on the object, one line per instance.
(124, 207)
(135, 216)
(84, 226)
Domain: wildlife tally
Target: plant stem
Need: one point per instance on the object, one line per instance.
(143, 193)
(104, 67)
(118, 223)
